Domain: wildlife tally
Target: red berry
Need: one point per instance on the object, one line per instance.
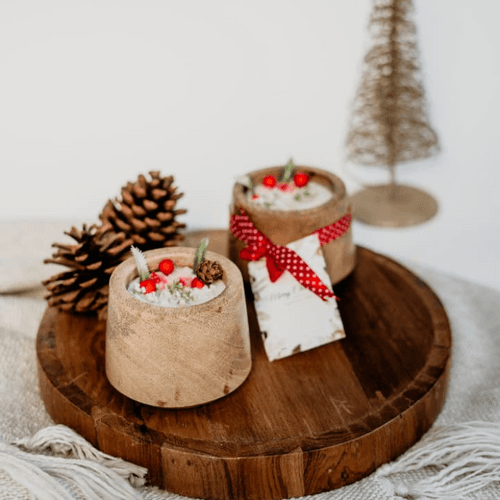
(166, 266)
(155, 278)
(283, 186)
(269, 181)
(184, 281)
(197, 283)
(301, 179)
(255, 197)
(148, 285)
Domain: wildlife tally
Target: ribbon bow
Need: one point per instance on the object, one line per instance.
(280, 258)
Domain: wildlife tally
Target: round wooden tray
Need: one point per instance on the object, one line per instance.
(301, 425)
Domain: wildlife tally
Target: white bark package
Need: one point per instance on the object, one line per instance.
(292, 318)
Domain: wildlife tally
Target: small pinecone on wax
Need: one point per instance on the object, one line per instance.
(91, 260)
(209, 271)
(146, 212)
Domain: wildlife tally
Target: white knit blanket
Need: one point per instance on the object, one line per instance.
(474, 392)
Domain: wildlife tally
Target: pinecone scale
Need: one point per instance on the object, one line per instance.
(209, 271)
(91, 260)
(146, 212)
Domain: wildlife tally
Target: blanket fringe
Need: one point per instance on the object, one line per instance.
(97, 476)
(468, 457)
(63, 441)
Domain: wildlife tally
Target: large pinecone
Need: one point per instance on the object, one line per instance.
(146, 212)
(209, 271)
(84, 286)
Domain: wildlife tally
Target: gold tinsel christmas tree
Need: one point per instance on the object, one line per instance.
(389, 122)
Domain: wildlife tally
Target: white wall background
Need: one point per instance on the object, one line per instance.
(94, 92)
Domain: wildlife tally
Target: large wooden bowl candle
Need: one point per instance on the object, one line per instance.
(177, 357)
(284, 226)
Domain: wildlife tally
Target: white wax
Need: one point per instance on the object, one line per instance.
(294, 198)
(164, 298)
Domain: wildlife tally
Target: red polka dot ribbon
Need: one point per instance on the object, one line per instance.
(280, 258)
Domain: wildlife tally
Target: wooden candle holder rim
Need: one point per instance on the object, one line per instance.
(317, 174)
(126, 272)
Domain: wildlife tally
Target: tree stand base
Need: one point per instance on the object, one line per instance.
(393, 206)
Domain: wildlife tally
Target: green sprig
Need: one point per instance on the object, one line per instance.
(175, 286)
(200, 252)
(177, 289)
(287, 172)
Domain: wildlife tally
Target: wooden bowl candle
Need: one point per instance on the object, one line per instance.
(283, 226)
(177, 357)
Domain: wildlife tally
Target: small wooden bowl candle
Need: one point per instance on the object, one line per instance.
(284, 226)
(177, 357)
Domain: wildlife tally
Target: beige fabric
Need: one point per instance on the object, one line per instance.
(23, 246)
(474, 392)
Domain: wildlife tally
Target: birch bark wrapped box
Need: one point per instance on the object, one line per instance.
(283, 227)
(177, 357)
(292, 318)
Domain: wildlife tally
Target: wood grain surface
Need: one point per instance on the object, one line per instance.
(301, 425)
